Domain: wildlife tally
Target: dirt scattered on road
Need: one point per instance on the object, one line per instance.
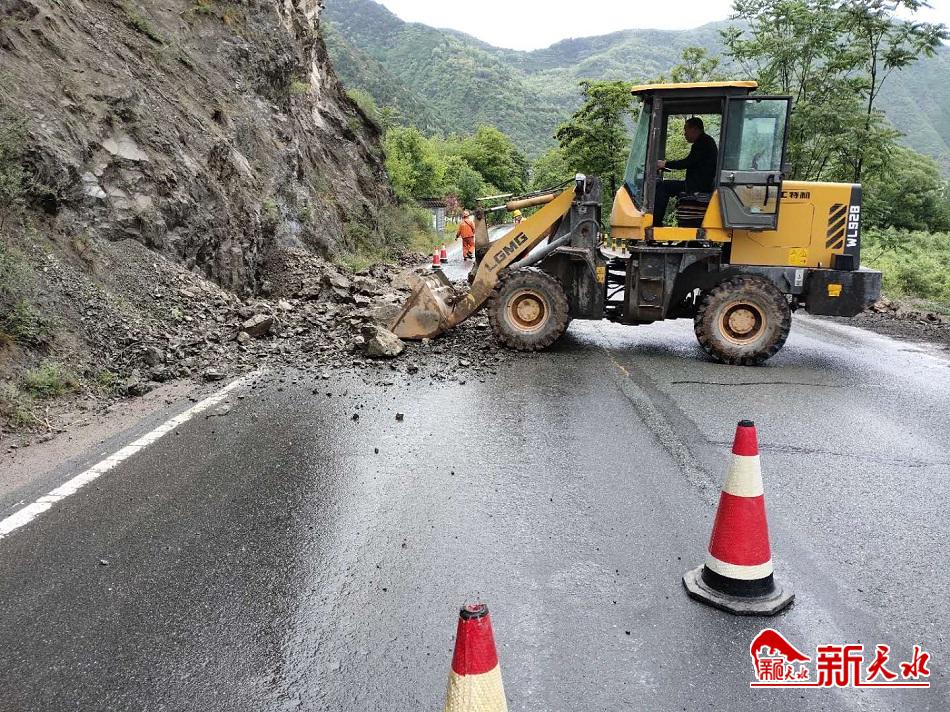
(905, 321)
(137, 321)
(141, 321)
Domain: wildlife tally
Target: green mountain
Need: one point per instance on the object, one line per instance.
(444, 80)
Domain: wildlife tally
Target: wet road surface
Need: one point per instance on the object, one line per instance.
(266, 557)
(457, 269)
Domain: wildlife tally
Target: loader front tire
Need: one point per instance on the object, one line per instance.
(528, 310)
(743, 321)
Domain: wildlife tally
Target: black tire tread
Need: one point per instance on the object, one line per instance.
(770, 297)
(531, 279)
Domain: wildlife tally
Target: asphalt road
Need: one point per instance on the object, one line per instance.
(264, 556)
(457, 269)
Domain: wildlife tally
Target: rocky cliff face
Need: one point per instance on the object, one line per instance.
(213, 132)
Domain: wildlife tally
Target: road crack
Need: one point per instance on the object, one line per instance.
(798, 450)
(661, 427)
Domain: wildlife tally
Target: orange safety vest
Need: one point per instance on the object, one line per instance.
(466, 229)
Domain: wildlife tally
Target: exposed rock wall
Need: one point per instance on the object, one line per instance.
(212, 132)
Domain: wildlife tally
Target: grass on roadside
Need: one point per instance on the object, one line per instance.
(402, 228)
(49, 380)
(16, 408)
(916, 265)
(425, 242)
(21, 319)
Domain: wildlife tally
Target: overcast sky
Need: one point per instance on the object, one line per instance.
(530, 24)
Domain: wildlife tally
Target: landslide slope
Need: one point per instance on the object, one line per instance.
(169, 170)
(208, 131)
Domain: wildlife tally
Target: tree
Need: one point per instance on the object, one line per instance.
(882, 43)
(462, 181)
(911, 195)
(495, 156)
(414, 168)
(832, 57)
(551, 169)
(797, 47)
(595, 140)
(696, 65)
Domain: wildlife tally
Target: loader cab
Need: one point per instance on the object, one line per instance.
(751, 134)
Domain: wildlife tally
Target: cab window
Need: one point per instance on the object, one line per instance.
(756, 135)
(635, 175)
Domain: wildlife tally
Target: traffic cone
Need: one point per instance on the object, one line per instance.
(475, 678)
(436, 260)
(738, 574)
(444, 255)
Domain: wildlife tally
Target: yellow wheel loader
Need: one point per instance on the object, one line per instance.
(739, 261)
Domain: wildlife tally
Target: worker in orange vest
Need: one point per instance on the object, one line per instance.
(467, 232)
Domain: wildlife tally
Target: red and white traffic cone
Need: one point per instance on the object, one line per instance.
(738, 574)
(444, 255)
(475, 678)
(436, 260)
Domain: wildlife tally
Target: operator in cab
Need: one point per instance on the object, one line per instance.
(700, 167)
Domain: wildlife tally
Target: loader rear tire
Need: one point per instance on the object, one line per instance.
(743, 321)
(528, 310)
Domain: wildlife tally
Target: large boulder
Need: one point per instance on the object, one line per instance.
(258, 326)
(382, 343)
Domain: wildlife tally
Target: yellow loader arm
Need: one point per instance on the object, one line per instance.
(435, 307)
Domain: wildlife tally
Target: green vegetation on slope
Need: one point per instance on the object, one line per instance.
(364, 73)
(465, 82)
(462, 168)
(916, 265)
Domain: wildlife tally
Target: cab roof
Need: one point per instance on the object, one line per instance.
(704, 87)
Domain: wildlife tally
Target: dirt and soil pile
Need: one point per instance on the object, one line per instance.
(903, 320)
(177, 183)
(158, 321)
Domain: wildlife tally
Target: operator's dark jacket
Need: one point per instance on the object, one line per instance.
(700, 165)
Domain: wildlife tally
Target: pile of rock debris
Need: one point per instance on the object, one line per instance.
(905, 320)
(143, 320)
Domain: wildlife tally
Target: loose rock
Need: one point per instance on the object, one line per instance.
(382, 343)
(258, 326)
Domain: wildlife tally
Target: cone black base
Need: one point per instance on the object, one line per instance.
(768, 604)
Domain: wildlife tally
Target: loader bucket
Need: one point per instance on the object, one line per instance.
(426, 313)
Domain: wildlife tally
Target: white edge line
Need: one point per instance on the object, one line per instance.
(31, 511)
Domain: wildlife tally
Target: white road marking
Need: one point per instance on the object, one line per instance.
(28, 513)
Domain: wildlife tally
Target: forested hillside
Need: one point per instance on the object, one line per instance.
(447, 81)
(465, 83)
